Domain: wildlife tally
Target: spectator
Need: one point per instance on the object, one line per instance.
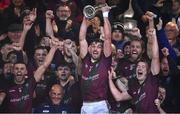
(72, 96)
(161, 97)
(126, 66)
(20, 93)
(54, 103)
(118, 35)
(172, 33)
(13, 34)
(145, 92)
(168, 79)
(12, 13)
(67, 27)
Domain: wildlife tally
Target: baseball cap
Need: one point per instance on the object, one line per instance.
(118, 26)
(15, 27)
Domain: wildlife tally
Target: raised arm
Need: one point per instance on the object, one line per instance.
(82, 38)
(41, 69)
(163, 40)
(49, 16)
(149, 41)
(155, 64)
(26, 27)
(118, 95)
(27, 24)
(107, 32)
(71, 47)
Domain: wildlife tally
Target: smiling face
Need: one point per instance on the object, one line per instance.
(95, 49)
(165, 67)
(20, 72)
(136, 50)
(56, 94)
(141, 71)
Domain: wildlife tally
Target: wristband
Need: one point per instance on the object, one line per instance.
(105, 14)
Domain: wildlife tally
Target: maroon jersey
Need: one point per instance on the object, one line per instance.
(143, 95)
(126, 68)
(98, 87)
(20, 96)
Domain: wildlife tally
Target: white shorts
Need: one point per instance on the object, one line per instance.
(95, 107)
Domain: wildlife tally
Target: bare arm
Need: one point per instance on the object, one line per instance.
(41, 69)
(155, 64)
(107, 33)
(82, 38)
(26, 28)
(27, 24)
(75, 58)
(150, 39)
(49, 17)
(118, 95)
(121, 86)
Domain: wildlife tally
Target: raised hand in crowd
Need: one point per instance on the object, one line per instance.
(50, 23)
(68, 25)
(33, 15)
(49, 14)
(158, 104)
(159, 25)
(135, 32)
(165, 51)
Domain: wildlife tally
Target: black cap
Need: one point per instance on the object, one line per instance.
(15, 27)
(118, 26)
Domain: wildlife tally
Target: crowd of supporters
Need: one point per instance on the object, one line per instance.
(55, 59)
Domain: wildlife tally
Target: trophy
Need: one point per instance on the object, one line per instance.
(89, 11)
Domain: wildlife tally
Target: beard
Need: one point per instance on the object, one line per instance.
(64, 18)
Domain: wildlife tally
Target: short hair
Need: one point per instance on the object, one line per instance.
(63, 64)
(96, 40)
(41, 47)
(145, 60)
(20, 62)
(125, 44)
(141, 42)
(6, 62)
(62, 5)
